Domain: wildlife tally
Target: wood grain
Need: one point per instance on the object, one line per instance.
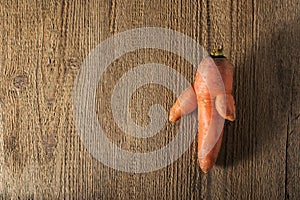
(44, 43)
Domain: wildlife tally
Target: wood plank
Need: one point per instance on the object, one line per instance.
(292, 181)
(42, 47)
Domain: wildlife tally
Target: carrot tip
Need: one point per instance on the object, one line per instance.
(205, 169)
(172, 118)
(206, 165)
(231, 118)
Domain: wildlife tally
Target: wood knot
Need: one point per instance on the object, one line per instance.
(20, 81)
(73, 63)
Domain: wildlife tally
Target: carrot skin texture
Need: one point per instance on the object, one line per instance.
(185, 104)
(228, 112)
(208, 162)
(212, 108)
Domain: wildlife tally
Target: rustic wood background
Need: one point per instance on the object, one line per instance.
(42, 46)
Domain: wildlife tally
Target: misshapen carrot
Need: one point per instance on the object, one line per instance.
(213, 88)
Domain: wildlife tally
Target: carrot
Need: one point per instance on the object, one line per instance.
(213, 105)
(185, 104)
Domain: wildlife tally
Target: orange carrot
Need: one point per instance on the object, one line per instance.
(215, 103)
(185, 104)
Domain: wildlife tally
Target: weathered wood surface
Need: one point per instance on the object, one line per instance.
(42, 46)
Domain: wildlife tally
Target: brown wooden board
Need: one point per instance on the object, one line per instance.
(42, 47)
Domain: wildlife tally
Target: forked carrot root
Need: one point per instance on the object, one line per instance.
(185, 104)
(214, 105)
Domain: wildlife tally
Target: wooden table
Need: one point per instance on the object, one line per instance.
(43, 46)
